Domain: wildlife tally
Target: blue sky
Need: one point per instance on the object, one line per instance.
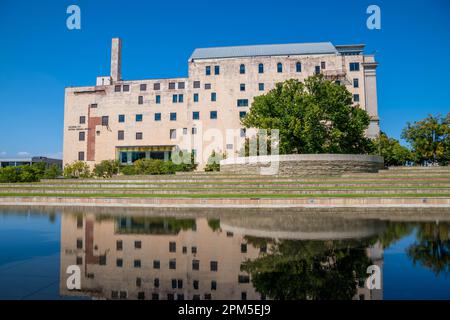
(39, 56)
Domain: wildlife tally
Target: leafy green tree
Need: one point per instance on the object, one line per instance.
(393, 152)
(314, 116)
(52, 172)
(106, 168)
(9, 175)
(430, 139)
(77, 169)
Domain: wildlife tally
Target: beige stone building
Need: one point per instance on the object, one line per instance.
(131, 119)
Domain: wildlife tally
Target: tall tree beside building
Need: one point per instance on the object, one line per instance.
(393, 152)
(430, 139)
(314, 116)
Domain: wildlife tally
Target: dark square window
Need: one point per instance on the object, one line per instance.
(156, 264)
(180, 85)
(196, 84)
(207, 86)
(172, 264)
(243, 247)
(356, 97)
(141, 295)
(143, 87)
(138, 117)
(119, 263)
(214, 265)
(137, 263)
(242, 87)
(354, 66)
(81, 156)
(117, 88)
(242, 102)
(242, 114)
(126, 87)
(121, 118)
(82, 119)
(102, 260)
(261, 86)
(243, 279)
(79, 261)
(157, 116)
(140, 100)
(120, 135)
(105, 121)
(213, 115)
(194, 250)
(119, 245)
(138, 244)
(173, 116)
(195, 115)
(172, 247)
(171, 85)
(156, 86)
(138, 135)
(195, 265)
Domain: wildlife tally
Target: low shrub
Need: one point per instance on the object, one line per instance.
(28, 173)
(106, 169)
(213, 163)
(77, 169)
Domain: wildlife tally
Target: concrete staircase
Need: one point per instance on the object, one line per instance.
(408, 182)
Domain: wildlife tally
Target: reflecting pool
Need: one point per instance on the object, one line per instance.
(224, 254)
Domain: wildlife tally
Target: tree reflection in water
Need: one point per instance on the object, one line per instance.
(432, 248)
(309, 269)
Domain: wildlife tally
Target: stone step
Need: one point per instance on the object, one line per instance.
(249, 192)
(173, 179)
(184, 186)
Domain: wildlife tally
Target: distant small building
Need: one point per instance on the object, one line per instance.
(14, 162)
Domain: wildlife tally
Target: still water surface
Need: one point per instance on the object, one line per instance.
(216, 254)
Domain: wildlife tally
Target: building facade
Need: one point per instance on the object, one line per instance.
(14, 162)
(132, 119)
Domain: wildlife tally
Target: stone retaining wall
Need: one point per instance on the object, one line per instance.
(303, 164)
(388, 202)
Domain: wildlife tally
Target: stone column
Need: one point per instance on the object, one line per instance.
(370, 86)
(116, 59)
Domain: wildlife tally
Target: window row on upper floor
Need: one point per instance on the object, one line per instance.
(353, 66)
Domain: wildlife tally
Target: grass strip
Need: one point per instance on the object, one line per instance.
(226, 196)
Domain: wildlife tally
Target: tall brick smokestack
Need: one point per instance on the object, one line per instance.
(116, 59)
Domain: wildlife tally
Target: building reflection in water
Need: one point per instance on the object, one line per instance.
(138, 257)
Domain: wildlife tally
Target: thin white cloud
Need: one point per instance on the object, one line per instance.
(23, 153)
